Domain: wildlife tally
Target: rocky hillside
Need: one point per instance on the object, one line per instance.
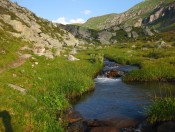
(112, 35)
(140, 22)
(44, 36)
(156, 13)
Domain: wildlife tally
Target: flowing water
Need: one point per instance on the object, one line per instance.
(114, 98)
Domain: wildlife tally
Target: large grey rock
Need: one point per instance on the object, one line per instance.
(57, 52)
(18, 88)
(156, 16)
(116, 28)
(84, 32)
(129, 35)
(48, 54)
(148, 32)
(39, 50)
(135, 35)
(72, 58)
(138, 23)
(127, 29)
(73, 52)
(105, 37)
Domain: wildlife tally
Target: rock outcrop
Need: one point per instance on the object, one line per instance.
(42, 33)
(146, 13)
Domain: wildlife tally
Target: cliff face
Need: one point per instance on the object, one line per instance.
(162, 18)
(43, 34)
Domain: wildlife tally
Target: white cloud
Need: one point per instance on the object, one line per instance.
(65, 21)
(78, 20)
(61, 20)
(87, 12)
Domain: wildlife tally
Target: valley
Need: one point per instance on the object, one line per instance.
(45, 66)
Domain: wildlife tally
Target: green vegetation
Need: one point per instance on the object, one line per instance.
(156, 64)
(95, 22)
(162, 109)
(146, 4)
(53, 30)
(8, 48)
(12, 15)
(49, 85)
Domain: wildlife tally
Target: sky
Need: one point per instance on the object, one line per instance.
(75, 11)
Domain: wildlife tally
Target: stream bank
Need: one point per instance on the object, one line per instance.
(115, 105)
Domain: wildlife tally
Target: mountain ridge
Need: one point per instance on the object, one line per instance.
(135, 15)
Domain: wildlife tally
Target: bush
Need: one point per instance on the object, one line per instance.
(162, 109)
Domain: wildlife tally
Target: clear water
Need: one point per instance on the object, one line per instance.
(114, 98)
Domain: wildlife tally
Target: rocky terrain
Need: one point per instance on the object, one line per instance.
(148, 12)
(43, 34)
(43, 65)
(141, 21)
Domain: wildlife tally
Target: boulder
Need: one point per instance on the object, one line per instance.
(138, 23)
(129, 35)
(72, 58)
(116, 28)
(73, 52)
(112, 74)
(135, 35)
(104, 37)
(18, 88)
(57, 52)
(48, 54)
(148, 32)
(39, 50)
(127, 29)
(84, 32)
(74, 116)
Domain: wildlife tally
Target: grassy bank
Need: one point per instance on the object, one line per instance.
(49, 85)
(156, 62)
(162, 109)
(9, 46)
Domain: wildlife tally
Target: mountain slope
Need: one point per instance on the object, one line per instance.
(43, 35)
(140, 22)
(93, 22)
(135, 16)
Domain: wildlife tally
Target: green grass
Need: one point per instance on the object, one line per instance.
(94, 23)
(155, 64)
(162, 109)
(50, 85)
(9, 46)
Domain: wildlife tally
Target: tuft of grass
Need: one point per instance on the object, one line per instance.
(162, 109)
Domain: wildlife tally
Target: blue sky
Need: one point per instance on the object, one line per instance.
(73, 11)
